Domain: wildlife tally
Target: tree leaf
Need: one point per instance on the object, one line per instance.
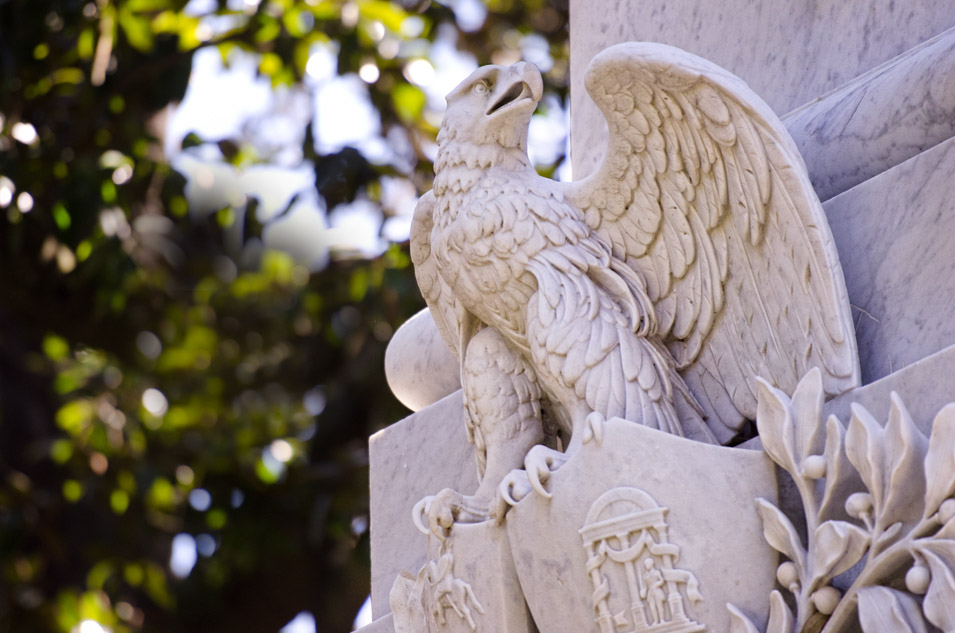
(939, 602)
(780, 617)
(940, 460)
(806, 407)
(781, 535)
(864, 449)
(739, 623)
(884, 610)
(904, 477)
(774, 421)
(838, 546)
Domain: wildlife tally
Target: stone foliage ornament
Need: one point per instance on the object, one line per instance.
(879, 508)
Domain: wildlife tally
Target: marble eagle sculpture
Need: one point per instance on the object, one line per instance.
(695, 258)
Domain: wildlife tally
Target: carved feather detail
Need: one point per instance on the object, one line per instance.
(715, 211)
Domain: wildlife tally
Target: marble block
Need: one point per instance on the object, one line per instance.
(896, 239)
(790, 52)
(418, 456)
(927, 385)
(879, 119)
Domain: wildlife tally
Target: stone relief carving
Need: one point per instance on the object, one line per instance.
(434, 593)
(655, 292)
(879, 508)
(694, 259)
(626, 526)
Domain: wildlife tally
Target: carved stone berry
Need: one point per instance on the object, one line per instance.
(947, 511)
(917, 579)
(814, 467)
(826, 600)
(858, 504)
(787, 576)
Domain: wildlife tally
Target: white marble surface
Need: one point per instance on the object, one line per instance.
(708, 492)
(879, 119)
(418, 456)
(418, 365)
(896, 239)
(788, 51)
(926, 386)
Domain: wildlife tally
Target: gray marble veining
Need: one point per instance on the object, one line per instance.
(896, 239)
(879, 119)
(790, 52)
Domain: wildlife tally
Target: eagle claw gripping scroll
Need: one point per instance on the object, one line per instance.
(696, 258)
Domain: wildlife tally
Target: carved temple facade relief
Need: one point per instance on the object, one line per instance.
(625, 538)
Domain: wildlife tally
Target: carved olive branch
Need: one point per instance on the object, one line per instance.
(898, 491)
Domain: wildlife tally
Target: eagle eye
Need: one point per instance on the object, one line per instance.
(481, 87)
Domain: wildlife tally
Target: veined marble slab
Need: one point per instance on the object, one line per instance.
(878, 119)
(925, 386)
(790, 52)
(896, 239)
(413, 458)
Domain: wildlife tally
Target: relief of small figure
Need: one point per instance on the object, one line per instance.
(652, 591)
(448, 591)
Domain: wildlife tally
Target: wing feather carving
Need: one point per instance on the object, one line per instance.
(433, 287)
(703, 194)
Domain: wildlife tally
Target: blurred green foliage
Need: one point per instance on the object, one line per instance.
(156, 379)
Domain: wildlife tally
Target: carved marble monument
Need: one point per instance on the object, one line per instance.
(613, 334)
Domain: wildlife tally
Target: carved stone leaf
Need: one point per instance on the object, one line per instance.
(940, 460)
(739, 623)
(839, 546)
(939, 603)
(904, 479)
(774, 421)
(864, 448)
(780, 534)
(808, 428)
(838, 471)
(884, 610)
(947, 531)
(780, 617)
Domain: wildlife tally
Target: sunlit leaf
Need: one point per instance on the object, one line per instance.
(409, 101)
(137, 30)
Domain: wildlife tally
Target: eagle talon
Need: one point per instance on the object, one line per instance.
(514, 487)
(539, 463)
(594, 428)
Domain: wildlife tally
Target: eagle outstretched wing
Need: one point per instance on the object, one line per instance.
(703, 193)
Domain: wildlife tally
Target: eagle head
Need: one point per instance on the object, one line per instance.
(493, 106)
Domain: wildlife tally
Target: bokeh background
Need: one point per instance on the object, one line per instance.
(204, 211)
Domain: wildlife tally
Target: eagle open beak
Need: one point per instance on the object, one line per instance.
(525, 86)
